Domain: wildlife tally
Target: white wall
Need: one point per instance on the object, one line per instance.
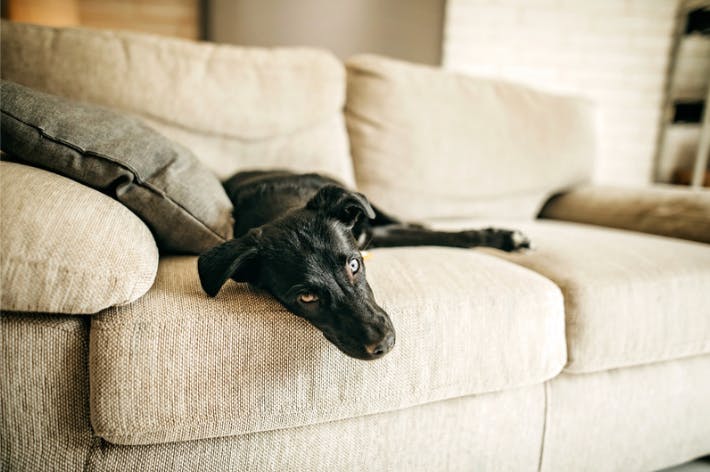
(615, 52)
(406, 29)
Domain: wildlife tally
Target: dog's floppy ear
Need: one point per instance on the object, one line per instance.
(341, 204)
(236, 258)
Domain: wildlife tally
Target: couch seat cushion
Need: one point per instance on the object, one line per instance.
(178, 365)
(66, 248)
(630, 298)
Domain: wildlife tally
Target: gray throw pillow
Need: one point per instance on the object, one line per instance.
(181, 201)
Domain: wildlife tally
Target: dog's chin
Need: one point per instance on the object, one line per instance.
(360, 354)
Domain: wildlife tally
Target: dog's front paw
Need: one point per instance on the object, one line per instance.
(516, 241)
(504, 239)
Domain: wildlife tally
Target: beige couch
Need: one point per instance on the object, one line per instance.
(591, 353)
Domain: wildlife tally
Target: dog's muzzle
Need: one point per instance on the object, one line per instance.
(381, 348)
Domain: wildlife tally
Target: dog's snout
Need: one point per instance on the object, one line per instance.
(382, 347)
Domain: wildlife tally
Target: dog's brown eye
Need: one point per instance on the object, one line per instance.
(354, 265)
(308, 298)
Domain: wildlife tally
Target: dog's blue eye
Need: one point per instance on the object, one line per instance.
(354, 265)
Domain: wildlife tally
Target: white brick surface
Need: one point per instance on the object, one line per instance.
(615, 52)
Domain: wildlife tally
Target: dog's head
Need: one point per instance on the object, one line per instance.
(309, 260)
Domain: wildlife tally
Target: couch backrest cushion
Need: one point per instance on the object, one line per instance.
(66, 248)
(428, 143)
(234, 107)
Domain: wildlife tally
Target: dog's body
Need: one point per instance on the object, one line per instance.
(299, 236)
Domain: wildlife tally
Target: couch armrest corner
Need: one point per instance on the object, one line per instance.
(660, 210)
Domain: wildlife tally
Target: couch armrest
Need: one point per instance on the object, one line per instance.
(661, 210)
(67, 248)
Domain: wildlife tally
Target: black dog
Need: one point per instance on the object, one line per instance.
(299, 238)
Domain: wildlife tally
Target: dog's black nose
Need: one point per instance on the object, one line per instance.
(382, 347)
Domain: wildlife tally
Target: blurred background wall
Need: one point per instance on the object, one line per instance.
(181, 18)
(617, 53)
(407, 29)
(611, 51)
(645, 63)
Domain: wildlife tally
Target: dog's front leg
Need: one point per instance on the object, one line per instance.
(414, 235)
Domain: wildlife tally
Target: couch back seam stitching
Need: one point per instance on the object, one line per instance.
(546, 391)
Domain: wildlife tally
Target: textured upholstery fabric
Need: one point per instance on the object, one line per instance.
(638, 418)
(66, 248)
(641, 418)
(44, 392)
(433, 144)
(630, 298)
(662, 210)
(235, 108)
(181, 201)
(178, 365)
(492, 432)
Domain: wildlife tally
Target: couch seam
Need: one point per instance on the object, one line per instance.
(545, 421)
(95, 445)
